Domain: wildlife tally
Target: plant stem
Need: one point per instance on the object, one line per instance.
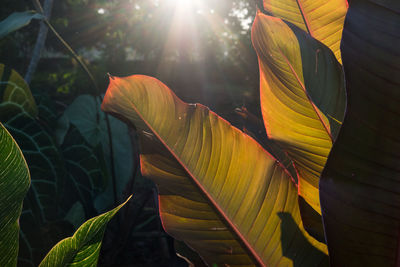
(40, 41)
(39, 9)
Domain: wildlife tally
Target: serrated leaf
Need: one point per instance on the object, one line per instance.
(14, 183)
(220, 192)
(359, 188)
(83, 248)
(15, 94)
(302, 89)
(322, 19)
(17, 20)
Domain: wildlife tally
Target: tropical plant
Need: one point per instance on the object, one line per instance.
(82, 248)
(220, 192)
(232, 202)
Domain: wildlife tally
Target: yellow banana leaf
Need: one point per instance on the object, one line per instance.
(220, 191)
(322, 19)
(302, 102)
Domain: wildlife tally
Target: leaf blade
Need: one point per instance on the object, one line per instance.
(14, 183)
(192, 171)
(301, 90)
(16, 21)
(323, 20)
(359, 192)
(83, 248)
(15, 94)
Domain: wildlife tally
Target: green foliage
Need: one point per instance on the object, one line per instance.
(220, 192)
(83, 248)
(62, 173)
(14, 183)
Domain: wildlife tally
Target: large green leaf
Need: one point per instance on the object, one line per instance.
(85, 114)
(14, 183)
(41, 205)
(83, 248)
(220, 192)
(45, 164)
(53, 190)
(302, 102)
(359, 188)
(322, 19)
(15, 94)
(17, 20)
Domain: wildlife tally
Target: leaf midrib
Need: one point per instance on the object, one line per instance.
(211, 200)
(306, 93)
(303, 15)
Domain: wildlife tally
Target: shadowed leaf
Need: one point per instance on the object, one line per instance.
(85, 114)
(359, 187)
(16, 21)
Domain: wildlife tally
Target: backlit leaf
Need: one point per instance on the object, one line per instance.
(359, 187)
(302, 101)
(220, 191)
(14, 183)
(83, 248)
(322, 19)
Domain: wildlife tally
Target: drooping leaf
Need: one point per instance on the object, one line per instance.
(322, 19)
(14, 183)
(302, 101)
(85, 114)
(83, 248)
(15, 94)
(16, 21)
(220, 192)
(359, 187)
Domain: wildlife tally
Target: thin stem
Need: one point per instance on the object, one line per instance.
(40, 42)
(76, 56)
(39, 8)
(69, 48)
(112, 160)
